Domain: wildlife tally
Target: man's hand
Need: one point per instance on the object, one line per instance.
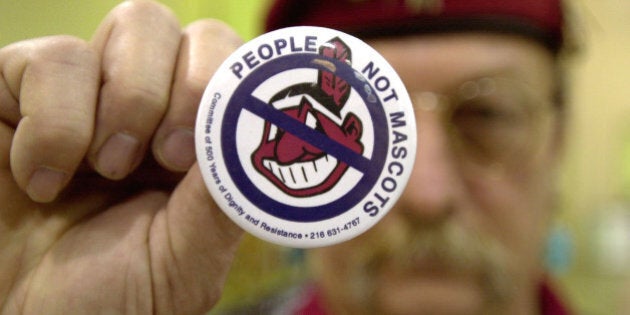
(102, 206)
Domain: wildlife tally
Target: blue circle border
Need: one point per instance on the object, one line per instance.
(242, 99)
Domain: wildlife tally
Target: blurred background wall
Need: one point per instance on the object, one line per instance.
(596, 187)
(21, 19)
(590, 243)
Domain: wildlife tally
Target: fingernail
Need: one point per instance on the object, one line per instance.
(178, 149)
(117, 155)
(45, 184)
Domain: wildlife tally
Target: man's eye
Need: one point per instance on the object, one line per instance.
(489, 126)
(489, 114)
(497, 120)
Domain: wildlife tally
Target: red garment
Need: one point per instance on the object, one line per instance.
(550, 304)
(540, 19)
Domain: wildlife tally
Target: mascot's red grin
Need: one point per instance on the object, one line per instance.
(297, 167)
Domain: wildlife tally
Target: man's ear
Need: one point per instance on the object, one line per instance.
(559, 127)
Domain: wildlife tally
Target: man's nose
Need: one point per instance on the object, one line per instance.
(433, 186)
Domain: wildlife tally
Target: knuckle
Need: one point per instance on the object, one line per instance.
(72, 123)
(214, 26)
(134, 9)
(65, 135)
(64, 50)
(216, 29)
(147, 100)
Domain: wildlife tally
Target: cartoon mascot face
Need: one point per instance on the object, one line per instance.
(298, 167)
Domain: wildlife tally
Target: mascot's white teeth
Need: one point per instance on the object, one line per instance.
(302, 175)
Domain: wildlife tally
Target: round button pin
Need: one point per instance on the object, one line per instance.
(305, 137)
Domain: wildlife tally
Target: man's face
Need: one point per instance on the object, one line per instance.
(466, 236)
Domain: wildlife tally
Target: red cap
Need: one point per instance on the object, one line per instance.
(541, 20)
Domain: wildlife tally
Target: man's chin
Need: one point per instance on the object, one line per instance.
(433, 293)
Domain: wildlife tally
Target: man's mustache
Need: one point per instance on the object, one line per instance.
(448, 246)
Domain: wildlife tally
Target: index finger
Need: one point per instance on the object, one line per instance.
(139, 43)
(49, 94)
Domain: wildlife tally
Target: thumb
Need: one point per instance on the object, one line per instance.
(193, 245)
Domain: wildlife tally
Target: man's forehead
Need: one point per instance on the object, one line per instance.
(439, 62)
